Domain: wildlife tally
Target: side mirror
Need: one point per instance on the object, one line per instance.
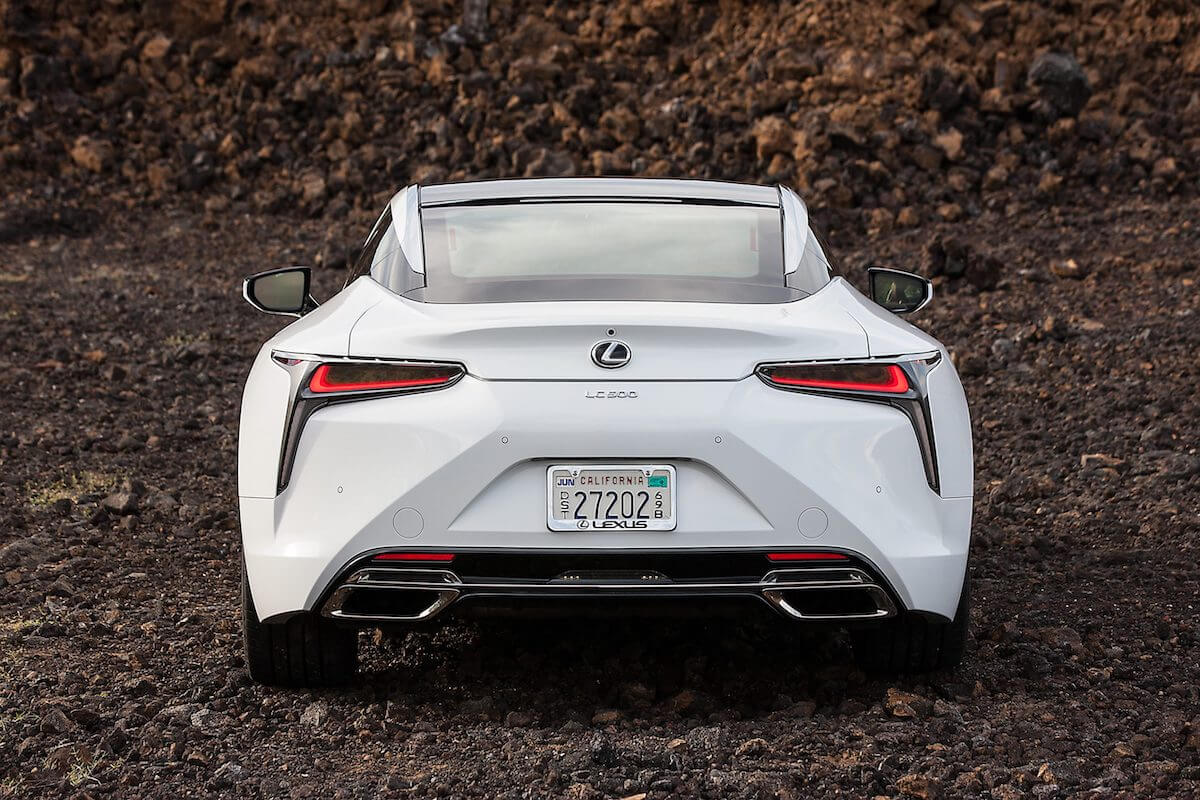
(280, 291)
(897, 291)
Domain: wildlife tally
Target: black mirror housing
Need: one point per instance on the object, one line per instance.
(898, 291)
(280, 291)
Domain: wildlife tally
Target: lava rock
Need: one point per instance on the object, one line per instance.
(41, 75)
(1068, 268)
(21, 552)
(121, 503)
(906, 705)
(91, 154)
(1061, 83)
(315, 714)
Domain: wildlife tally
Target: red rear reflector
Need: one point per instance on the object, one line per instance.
(442, 557)
(885, 378)
(366, 377)
(807, 556)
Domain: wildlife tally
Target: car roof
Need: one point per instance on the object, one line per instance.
(599, 188)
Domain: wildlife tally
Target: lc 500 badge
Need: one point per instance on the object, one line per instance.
(592, 394)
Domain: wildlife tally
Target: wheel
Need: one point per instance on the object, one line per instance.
(914, 643)
(305, 651)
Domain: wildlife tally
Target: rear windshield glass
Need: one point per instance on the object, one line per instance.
(603, 251)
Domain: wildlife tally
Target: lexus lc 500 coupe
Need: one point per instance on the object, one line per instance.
(600, 396)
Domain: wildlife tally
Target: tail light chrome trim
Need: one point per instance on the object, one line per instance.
(900, 382)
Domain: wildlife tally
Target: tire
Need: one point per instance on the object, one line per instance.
(913, 643)
(306, 651)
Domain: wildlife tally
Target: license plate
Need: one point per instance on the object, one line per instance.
(610, 497)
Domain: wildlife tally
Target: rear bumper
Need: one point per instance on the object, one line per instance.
(371, 592)
(465, 469)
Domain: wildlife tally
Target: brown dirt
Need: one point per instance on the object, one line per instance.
(1067, 291)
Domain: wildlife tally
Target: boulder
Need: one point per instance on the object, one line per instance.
(1060, 83)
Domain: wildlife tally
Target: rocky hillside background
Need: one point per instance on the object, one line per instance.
(885, 113)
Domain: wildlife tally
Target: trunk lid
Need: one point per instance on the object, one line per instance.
(554, 341)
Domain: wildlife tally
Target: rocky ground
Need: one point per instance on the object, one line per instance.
(122, 673)
(1038, 160)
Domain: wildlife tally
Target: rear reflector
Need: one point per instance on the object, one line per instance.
(365, 377)
(807, 555)
(882, 378)
(444, 558)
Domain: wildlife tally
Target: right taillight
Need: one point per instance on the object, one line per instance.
(876, 378)
(899, 385)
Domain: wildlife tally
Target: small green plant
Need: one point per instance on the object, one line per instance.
(181, 339)
(70, 488)
(12, 787)
(84, 772)
(19, 624)
(12, 720)
(103, 272)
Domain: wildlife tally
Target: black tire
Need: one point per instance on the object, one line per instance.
(305, 651)
(914, 643)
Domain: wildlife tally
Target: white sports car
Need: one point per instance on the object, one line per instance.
(594, 395)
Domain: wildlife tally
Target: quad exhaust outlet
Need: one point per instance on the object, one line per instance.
(391, 594)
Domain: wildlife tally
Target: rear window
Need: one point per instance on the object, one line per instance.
(603, 251)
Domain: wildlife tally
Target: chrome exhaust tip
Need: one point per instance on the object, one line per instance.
(392, 595)
(828, 595)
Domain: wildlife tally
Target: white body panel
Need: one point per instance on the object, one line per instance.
(268, 392)
(543, 341)
(951, 432)
(471, 459)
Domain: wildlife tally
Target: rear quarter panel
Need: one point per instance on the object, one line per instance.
(266, 399)
(889, 335)
(951, 431)
(264, 413)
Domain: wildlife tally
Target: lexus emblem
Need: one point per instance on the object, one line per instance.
(610, 354)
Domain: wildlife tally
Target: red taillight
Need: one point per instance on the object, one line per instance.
(807, 555)
(882, 378)
(443, 558)
(350, 377)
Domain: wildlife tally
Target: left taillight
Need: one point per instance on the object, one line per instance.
(317, 383)
(353, 377)
(888, 379)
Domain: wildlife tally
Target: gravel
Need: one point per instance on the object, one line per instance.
(119, 620)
